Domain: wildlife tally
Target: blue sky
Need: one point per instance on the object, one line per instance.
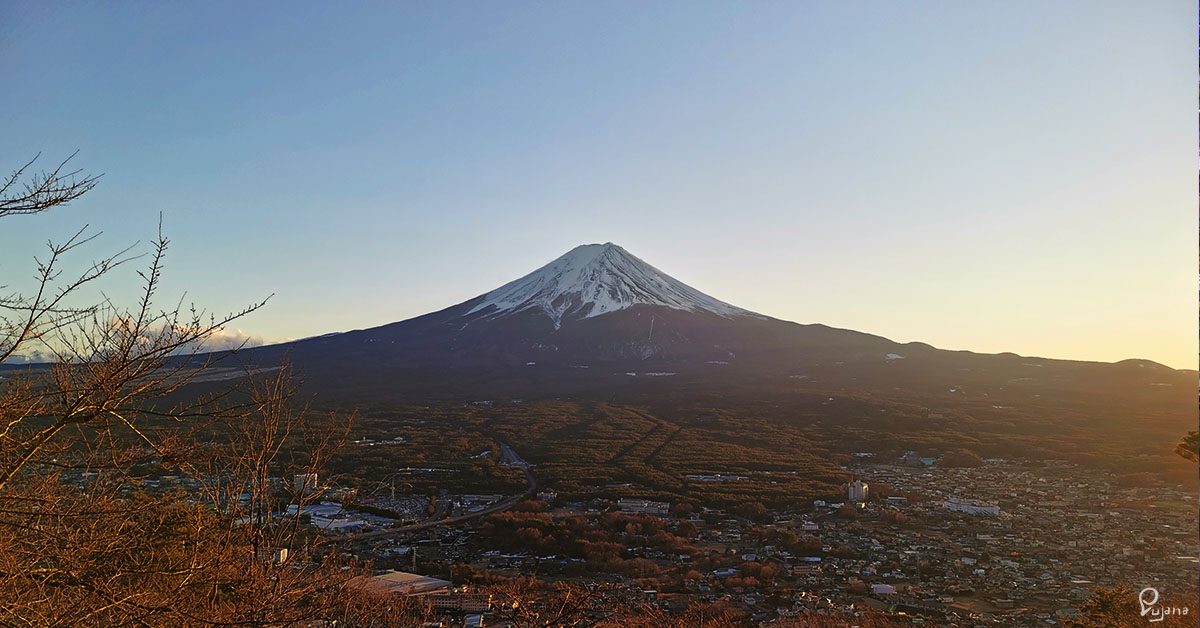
(994, 176)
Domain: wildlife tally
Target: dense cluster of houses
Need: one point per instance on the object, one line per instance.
(1003, 544)
(1008, 543)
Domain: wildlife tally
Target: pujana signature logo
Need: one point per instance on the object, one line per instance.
(1148, 599)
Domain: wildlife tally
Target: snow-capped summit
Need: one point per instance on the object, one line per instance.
(595, 279)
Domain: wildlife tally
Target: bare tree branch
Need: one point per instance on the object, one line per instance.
(31, 193)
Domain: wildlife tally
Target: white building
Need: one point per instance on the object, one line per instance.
(328, 510)
(643, 506)
(405, 583)
(882, 589)
(857, 492)
(971, 508)
(340, 524)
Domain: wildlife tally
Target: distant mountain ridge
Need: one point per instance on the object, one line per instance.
(600, 304)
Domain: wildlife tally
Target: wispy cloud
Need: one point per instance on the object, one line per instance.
(223, 339)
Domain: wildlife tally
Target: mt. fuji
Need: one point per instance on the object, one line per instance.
(598, 312)
(595, 303)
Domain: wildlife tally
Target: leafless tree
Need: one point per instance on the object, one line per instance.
(125, 500)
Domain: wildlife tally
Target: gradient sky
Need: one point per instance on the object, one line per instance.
(993, 176)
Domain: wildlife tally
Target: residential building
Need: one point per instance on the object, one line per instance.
(857, 492)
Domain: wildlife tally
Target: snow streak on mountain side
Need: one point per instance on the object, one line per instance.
(596, 279)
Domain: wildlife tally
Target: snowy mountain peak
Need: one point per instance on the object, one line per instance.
(595, 279)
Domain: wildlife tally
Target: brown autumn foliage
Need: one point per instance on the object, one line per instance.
(123, 501)
(1118, 607)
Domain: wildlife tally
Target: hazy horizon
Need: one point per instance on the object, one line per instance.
(993, 177)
